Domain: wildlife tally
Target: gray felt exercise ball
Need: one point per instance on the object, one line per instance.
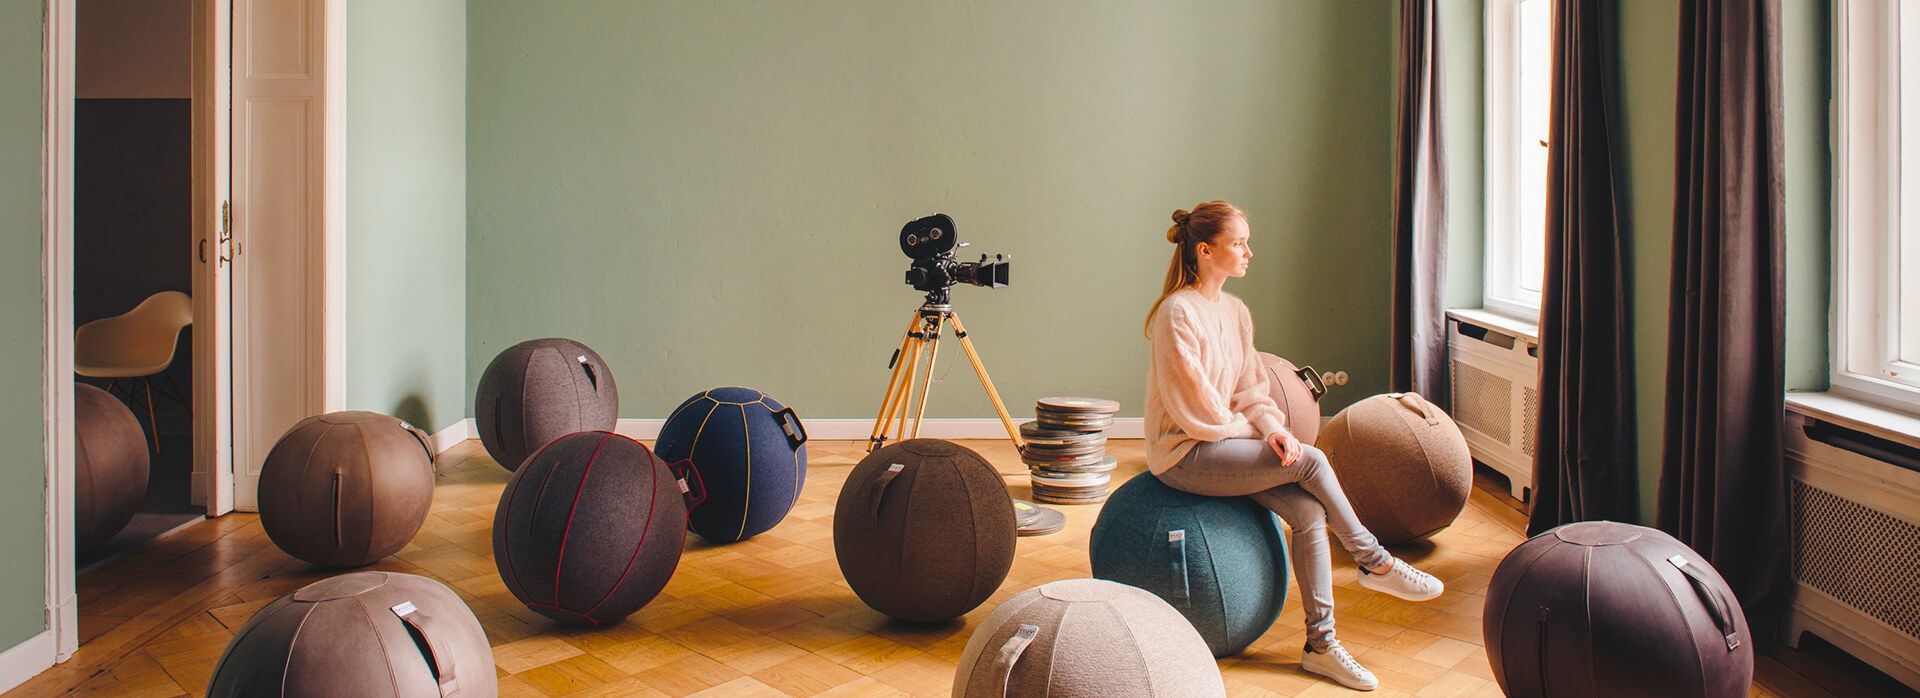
(1600, 608)
(1298, 392)
(1220, 561)
(540, 390)
(346, 488)
(1086, 638)
(1403, 463)
(110, 466)
(360, 634)
(924, 530)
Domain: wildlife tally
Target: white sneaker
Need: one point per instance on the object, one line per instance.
(1403, 581)
(1337, 664)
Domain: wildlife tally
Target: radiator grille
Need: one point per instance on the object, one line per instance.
(1481, 401)
(1532, 421)
(1863, 557)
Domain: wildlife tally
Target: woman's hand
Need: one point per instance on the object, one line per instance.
(1286, 445)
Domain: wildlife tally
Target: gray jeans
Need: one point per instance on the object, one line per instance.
(1306, 495)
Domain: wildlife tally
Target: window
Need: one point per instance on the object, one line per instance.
(1519, 94)
(1876, 270)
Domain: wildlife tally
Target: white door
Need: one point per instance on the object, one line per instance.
(213, 252)
(279, 215)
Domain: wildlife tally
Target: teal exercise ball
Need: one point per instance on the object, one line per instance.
(1220, 561)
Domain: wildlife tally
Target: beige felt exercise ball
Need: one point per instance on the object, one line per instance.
(1297, 390)
(1403, 463)
(1086, 637)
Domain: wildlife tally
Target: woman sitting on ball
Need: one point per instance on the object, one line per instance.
(1213, 429)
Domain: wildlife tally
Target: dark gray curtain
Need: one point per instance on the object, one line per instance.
(1722, 487)
(1584, 465)
(1419, 205)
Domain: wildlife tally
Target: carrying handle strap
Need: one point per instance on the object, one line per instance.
(1426, 409)
(790, 424)
(439, 655)
(1715, 600)
(426, 442)
(1010, 655)
(1177, 566)
(586, 366)
(880, 489)
(692, 487)
(1314, 384)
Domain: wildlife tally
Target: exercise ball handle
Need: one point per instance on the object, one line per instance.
(1314, 384)
(438, 654)
(1177, 567)
(880, 488)
(1710, 595)
(796, 432)
(692, 487)
(1426, 409)
(1010, 655)
(426, 442)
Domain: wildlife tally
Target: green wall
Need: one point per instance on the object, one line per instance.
(23, 480)
(406, 209)
(710, 193)
(1643, 169)
(1806, 81)
(1463, 29)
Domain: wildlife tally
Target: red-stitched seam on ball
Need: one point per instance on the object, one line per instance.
(560, 563)
(644, 530)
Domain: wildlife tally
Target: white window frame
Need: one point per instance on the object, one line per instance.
(1501, 291)
(1867, 298)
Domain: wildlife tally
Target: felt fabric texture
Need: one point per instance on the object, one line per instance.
(1403, 462)
(346, 488)
(589, 529)
(1204, 379)
(1227, 577)
(346, 636)
(540, 390)
(110, 466)
(1093, 639)
(1298, 404)
(752, 468)
(1600, 609)
(929, 542)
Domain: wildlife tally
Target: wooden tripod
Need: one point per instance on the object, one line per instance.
(923, 336)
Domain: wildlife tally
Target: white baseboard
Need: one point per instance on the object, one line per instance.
(453, 435)
(860, 429)
(26, 660)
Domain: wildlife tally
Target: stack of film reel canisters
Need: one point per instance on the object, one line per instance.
(1066, 449)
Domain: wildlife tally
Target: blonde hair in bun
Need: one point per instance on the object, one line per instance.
(1190, 228)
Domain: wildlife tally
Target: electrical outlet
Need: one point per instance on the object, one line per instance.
(1332, 378)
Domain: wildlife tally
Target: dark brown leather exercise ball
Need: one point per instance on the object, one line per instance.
(110, 466)
(540, 390)
(1403, 463)
(346, 488)
(1298, 393)
(924, 530)
(360, 634)
(1600, 608)
(590, 528)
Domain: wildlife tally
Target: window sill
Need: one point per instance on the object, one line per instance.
(1853, 413)
(1525, 329)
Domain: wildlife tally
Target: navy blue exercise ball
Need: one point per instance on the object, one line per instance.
(1219, 560)
(751, 452)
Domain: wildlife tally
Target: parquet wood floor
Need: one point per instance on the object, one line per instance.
(766, 616)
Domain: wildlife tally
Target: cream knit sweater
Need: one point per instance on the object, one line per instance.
(1205, 382)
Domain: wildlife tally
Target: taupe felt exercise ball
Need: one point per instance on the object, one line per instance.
(540, 390)
(346, 488)
(1600, 608)
(360, 634)
(924, 530)
(110, 466)
(1403, 463)
(1296, 397)
(1086, 637)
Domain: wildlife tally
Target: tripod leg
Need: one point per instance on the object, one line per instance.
(879, 432)
(933, 356)
(980, 369)
(905, 403)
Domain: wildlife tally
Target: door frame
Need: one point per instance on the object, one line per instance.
(57, 255)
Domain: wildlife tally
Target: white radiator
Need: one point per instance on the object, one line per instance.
(1494, 374)
(1853, 503)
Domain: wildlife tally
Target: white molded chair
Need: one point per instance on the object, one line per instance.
(134, 345)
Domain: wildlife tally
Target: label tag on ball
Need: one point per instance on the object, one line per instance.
(896, 467)
(404, 608)
(683, 486)
(1177, 535)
